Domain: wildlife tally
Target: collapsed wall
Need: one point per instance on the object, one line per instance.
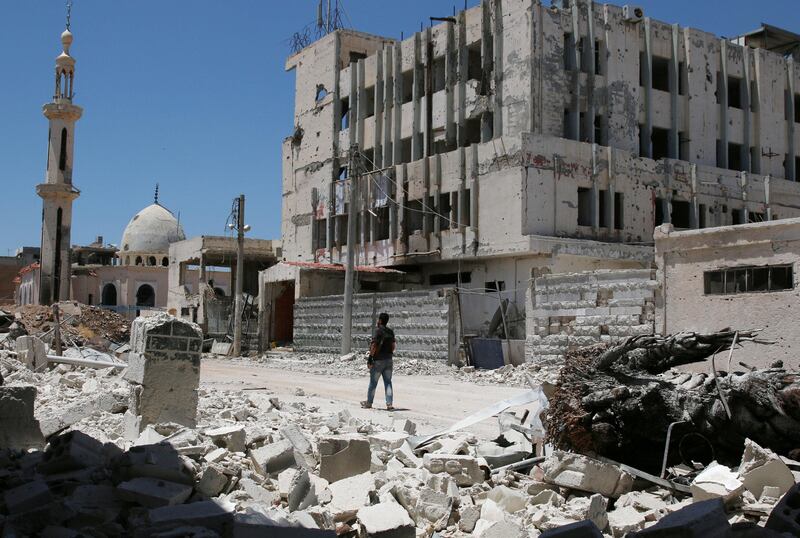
(567, 311)
(420, 320)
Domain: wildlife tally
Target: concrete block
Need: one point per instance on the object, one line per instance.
(433, 506)
(705, 519)
(465, 470)
(510, 500)
(70, 451)
(387, 441)
(716, 481)
(273, 458)
(212, 481)
(153, 493)
(19, 430)
(26, 497)
(349, 495)
(386, 520)
(785, 517)
(504, 529)
(214, 515)
(253, 524)
(343, 456)
(405, 454)
(404, 425)
(156, 461)
(579, 529)
(303, 449)
(761, 467)
(231, 437)
(31, 352)
(579, 472)
(625, 519)
(468, 517)
(257, 492)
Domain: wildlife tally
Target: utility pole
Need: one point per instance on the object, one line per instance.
(347, 321)
(237, 321)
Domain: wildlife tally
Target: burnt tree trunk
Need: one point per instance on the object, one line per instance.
(614, 402)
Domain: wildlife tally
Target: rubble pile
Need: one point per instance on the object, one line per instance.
(353, 365)
(253, 463)
(80, 324)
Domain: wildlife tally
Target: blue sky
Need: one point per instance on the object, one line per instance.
(193, 95)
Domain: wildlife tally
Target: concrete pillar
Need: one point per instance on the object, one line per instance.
(31, 352)
(388, 104)
(674, 89)
(401, 245)
(353, 113)
(768, 196)
(397, 108)
(646, 133)
(416, 99)
(362, 106)
(164, 371)
(450, 69)
(574, 114)
(722, 96)
(694, 216)
(746, 110)
(497, 65)
(791, 173)
(743, 180)
(461, 80)
(588, 55)
(377, 138)
(19, 430)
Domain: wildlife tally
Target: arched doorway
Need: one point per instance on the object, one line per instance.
(109, 295)
(145, 295)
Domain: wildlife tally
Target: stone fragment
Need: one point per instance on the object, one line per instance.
(504, 529)
(761, 467)
(215, 515)
(257, 492)
(579, 529)
(451, 445)
(303, 449)
(216, 455)
(468, 517)
(156, 461)
(695, 520)
(465, 470)
(273, 458)
(31, 352)
(387, 441)
(231, 437)
(510, 500)
(27, 497)
(625, 519)
(212, 481)
(19, 430)
(716, 481)
(547, 496)
(343, 456)
(404, 425)
(70, 451)
(152, 492)
(579, 472)
(349, 495)
(386, 520)
(433, 506)
(149, 436)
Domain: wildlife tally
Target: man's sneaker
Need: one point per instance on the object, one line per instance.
(366, 405)
(389, 407)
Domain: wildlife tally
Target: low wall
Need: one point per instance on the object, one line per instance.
(420, 320)
(567, 311)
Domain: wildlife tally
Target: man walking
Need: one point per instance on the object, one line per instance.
(381, 348)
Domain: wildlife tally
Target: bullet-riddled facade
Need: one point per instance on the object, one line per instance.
(519, 139)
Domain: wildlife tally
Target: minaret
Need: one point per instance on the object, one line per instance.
(57, 191)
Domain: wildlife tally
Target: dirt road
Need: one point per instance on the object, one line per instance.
(430, 401)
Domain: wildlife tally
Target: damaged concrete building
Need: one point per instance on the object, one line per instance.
(518, 140)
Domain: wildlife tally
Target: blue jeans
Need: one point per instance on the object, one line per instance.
(380, 368)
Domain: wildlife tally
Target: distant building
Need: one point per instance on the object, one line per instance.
(519, 140)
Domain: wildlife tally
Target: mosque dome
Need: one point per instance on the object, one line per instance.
(148, 236)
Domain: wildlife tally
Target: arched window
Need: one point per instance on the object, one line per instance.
(151, 261)
(145, 295)
(62, 159)
(165, 262)
(109, 295)
(138, 260)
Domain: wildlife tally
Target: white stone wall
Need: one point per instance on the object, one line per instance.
(567, 311)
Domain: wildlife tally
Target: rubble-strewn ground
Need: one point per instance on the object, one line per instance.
(91, 324)
(257, 458)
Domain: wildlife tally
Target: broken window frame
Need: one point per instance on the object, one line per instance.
(742, 279)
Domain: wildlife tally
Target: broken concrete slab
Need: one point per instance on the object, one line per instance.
(510, 500)
(273, 458)
(387, 441)
(212, 481)
(468, 517)
(504, 529)
(214, 515)
(231, 437)
(386, 520)
(465, 470)
(433, 506)
(27, 496)
(19, 429)
(70, 451)
(404, 425)
(579, 472)
(761, 467)
(343, 456)
(350, 494)
(625, 519)
(31, 352)
(716, 481)
(153, 492)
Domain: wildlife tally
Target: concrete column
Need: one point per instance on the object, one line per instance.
(722, 96)
(362, 106)
(768, 196)
(397, 109)
(612, 189)
(416, 99)
(791, 173)
(746, 109)
(450, 70)
(164, 371)
(402, 213)
(427, 101)
(427, 219)
(646, 134)
(498, 69)
(694, 216)
(588, 54)
(743, 180)
(674, 89)
(331, 222)
(462, 73)
(393, 209)
(351, 131)
(377, 139)
(388, 104)
(574, 114)
(462, 189)
(435, 190)
(596, 209)
(475, 195)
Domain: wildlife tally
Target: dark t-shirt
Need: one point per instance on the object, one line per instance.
(385, 338)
